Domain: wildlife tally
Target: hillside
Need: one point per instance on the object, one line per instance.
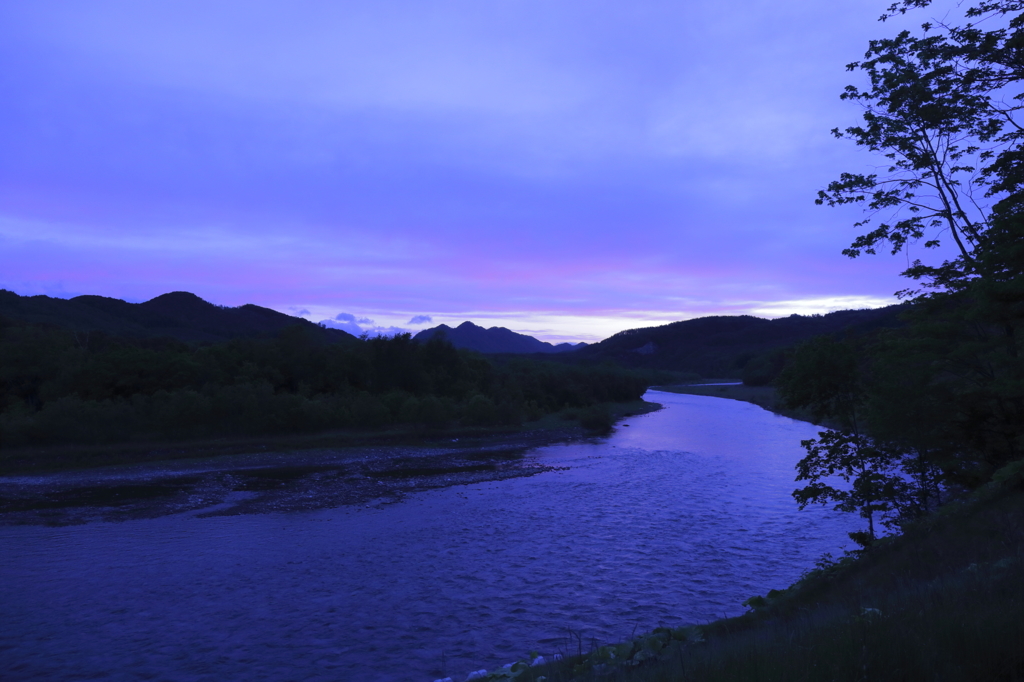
(494, 340)
(178, 315)
(722, 346)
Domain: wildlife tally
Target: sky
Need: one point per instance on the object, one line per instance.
(566, 169)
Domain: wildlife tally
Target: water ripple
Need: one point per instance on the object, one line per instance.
(676, 519)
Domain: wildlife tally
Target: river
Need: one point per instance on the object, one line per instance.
(676, 518)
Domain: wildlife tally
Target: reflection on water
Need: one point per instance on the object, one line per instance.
(674, 519)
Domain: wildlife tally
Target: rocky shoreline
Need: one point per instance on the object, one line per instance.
(264, 482)
(218, 479)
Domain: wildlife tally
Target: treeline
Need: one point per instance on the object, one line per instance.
(64, 387)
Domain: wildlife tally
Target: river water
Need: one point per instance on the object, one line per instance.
(676, 518)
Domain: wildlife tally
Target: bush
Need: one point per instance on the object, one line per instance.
(597, 419)
(480, 411)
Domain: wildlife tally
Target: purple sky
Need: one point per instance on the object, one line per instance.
(565, 169)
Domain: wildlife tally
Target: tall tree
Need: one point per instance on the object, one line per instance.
(823, 376)
(943, 108)
(940, 402)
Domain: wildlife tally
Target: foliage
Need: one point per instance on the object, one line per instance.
(944, 393)
(763, 368)
(822, 376)
(937, 110)
(597, 419)
(871, 474)
(936, 405)
(844, 466)
(57, 386)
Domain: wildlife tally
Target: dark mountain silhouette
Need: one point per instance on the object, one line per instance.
(178, 315)
(563, 347)
(494, 340)
(722, 346)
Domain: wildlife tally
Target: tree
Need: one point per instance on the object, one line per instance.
(965, 341)
(872, 477)
(943, 111)
(823, 376)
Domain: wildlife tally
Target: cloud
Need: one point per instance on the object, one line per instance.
(819, 306)
(357, 326)
(421, 319)
(348, 317)
(387, 331)
(345, 326)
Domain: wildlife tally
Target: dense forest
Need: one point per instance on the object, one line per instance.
(62, 386)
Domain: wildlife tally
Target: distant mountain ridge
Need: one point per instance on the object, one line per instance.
(721, 346)
(494, 340)
(709, 346)
(179, 314)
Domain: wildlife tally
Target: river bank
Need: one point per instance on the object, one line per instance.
(299, 473)
(762, 396)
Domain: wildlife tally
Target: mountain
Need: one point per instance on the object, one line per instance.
(722, 346)
(494, 340)
(179, 315)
